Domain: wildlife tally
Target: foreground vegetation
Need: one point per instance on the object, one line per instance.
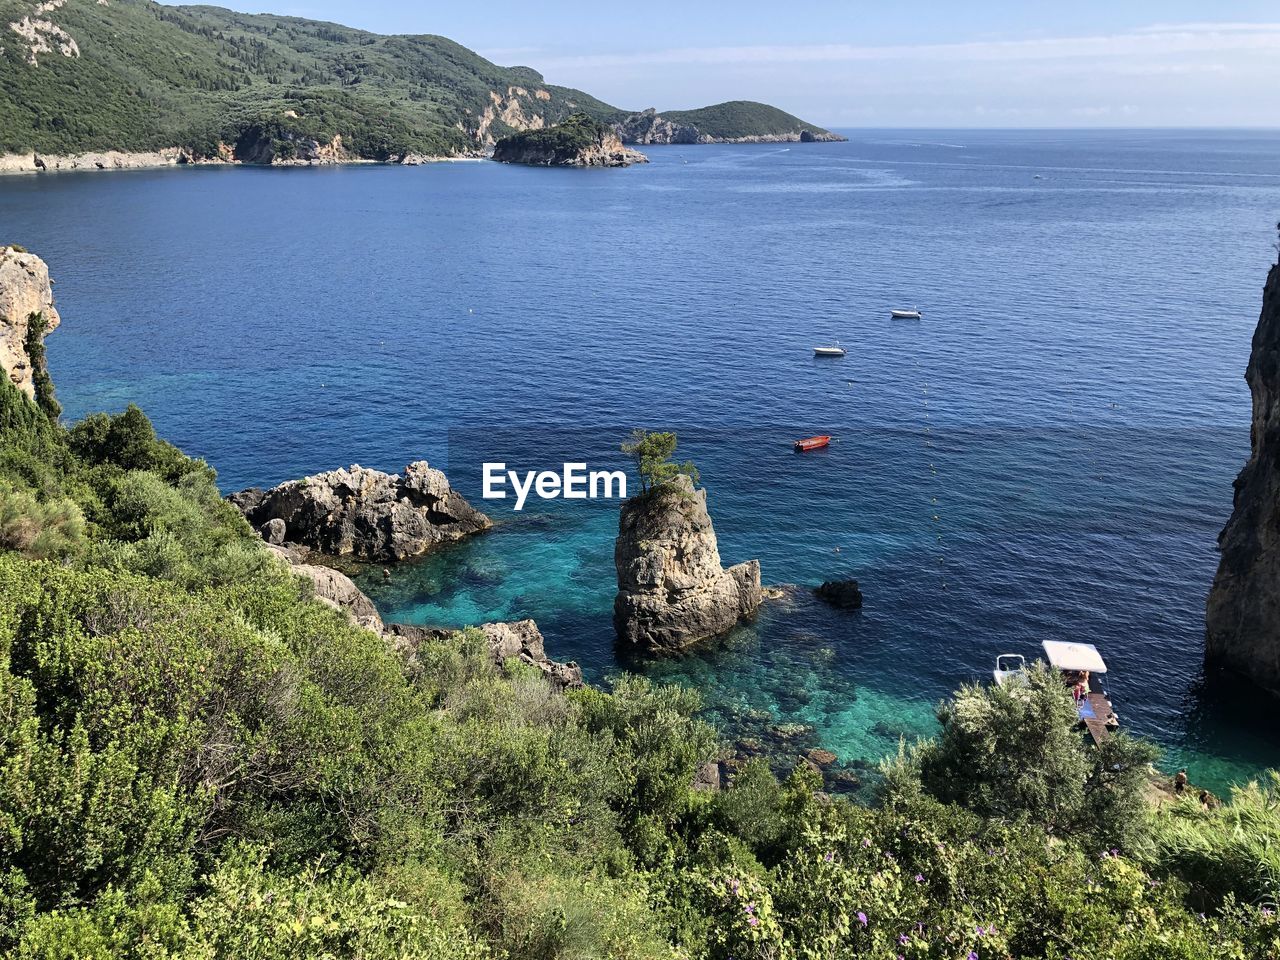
(200, 761)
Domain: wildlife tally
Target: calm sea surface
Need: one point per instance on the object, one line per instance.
(1047, 455)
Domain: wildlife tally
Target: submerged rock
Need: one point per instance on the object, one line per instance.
(672, 590)
(26, 297)
(840, 593)
(362, 513)
(1243, 614)
(520, 640)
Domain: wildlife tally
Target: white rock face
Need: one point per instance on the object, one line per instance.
(25, 290)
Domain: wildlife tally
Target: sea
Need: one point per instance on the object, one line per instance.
(1047, 454)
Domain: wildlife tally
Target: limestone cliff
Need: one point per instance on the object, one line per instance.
(578, 142)
(365, 514)
(647, 127)
(672, 590)
(1243, 616)
(26, 297)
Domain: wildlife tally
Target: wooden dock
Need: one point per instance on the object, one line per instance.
(1096, 713)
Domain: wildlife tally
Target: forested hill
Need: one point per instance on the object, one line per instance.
(132, 75)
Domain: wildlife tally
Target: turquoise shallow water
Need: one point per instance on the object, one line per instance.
(1048, 454)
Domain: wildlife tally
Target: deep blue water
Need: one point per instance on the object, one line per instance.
(1048, 454)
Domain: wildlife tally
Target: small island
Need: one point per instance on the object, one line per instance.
(579, 141)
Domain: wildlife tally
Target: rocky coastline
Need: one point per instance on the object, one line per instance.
(650, 127)
(1242, 618)
(579, 141)
(27, 316)
(111, 160)
(366, 515)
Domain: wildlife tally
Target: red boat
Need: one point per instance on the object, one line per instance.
(812, 443)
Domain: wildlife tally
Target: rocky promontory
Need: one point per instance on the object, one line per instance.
(736, 121)
(27, 314)
(672, 589)
(577, 142)
(1243, 614)
(363, 514)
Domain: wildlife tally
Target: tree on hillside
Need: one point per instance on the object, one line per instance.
(652, 453)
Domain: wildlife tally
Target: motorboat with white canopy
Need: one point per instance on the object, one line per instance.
(1082, 668)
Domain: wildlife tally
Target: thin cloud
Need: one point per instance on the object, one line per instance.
(1166, 40)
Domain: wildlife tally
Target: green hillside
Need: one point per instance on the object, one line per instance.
(150, 76)
(736, 119)
(134, 75)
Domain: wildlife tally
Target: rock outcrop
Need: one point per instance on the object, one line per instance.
(844, 594)
(364, 514)
(577, 142)
(333, 588)
(672, 590)
(26, 297)
(1243, 614)
(521, 640)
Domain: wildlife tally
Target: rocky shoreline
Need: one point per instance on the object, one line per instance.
(650, 127)
(364, 514)
(577, 142)
(111, 160)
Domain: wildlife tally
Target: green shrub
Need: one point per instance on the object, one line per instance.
(1013, 753)
(44, 531)
(128, 441)
(1231, 850)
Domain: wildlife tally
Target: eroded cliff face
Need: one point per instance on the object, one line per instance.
(361, 513)
(647, 127)
(1243, 615)
(26, 297)
(672, 589)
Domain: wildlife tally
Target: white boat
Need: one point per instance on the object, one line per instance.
(913, 314)
(1009, 667)
(836, 351)
(1081, 668)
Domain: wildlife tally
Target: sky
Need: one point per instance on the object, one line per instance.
(892, 63)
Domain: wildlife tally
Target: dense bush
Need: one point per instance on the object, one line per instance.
(197, 760)
(1012, 753)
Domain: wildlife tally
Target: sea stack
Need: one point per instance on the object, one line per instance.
(26, 299)
(1243, 616)
(672, 590)
(364, 514)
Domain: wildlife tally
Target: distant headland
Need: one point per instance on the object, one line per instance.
(137, 84)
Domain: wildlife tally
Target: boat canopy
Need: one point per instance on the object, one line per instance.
(1063, 655)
